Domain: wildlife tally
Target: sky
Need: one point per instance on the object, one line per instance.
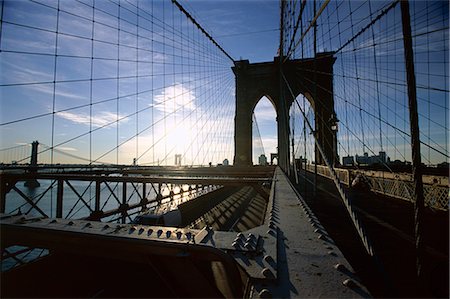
(164, 104)
(380, 47)
(246, 30)
(110, 84)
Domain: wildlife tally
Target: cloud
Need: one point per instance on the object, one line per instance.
(174, 97)
(48, 89)
(23, 74)
(101, 119)
(67, 149)
(265, 111)
(159, 57)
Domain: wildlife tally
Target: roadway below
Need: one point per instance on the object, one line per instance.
(389, 223)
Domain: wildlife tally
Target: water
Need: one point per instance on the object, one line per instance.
(44, 197)
(74, 207)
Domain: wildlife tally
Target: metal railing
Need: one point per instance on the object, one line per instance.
(342, 174)
(397, 185)
(436, 192)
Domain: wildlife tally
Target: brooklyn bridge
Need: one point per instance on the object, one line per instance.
(224, 149)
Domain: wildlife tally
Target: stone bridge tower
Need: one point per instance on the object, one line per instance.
(255, 80)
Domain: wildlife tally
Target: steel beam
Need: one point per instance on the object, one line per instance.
(59, 198)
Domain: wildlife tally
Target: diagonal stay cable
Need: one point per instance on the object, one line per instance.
(356, 222)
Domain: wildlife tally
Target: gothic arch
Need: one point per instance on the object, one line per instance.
(253, 81)
(272, 107)
(259, 100)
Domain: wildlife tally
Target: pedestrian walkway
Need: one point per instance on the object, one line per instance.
(390, 225)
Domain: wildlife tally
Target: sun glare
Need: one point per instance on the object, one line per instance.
(180, 139)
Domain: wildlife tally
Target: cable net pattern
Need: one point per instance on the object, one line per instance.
(113, 82)
(369, 78)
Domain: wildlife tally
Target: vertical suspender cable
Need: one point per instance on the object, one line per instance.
(316, 155)
(152, 52)
(137, 80)
(118, 83)
(91, 82)
(54, 99)
(376, 79)
(55, 67)
(1, 22)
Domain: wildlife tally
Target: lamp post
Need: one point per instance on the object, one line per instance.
(333, 121)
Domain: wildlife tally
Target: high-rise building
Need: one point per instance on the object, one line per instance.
(262, 160)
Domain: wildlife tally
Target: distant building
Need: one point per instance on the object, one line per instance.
(178, 160)
(443, 165)
(348, 161)
(226, 162)
(362, 160)
(262, 160)
(381, 158)
(399, 163)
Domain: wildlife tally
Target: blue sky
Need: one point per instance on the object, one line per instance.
(246, 30)
(171, 80)
(163, 99)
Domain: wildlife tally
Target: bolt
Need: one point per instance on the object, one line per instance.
(240, 235)
(340, 267)
(189, 235)
(141, 230)
(149, 232)
(132, 229)
(159, 232)
(247, 245)
(267, 273)
(317, 230)
(321, 237)
(70, 223)
(249, 240)
(179, 235)
(106, 226)
(53, 221)
(349, 283)
(237, 240)
(265, 293)
(168, 233)
(268, 259)
(87, 225)
(235, 244)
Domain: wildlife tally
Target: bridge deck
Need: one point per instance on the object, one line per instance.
(289, 255)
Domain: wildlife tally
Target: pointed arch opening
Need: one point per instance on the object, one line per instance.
(264, 131)
(303, 151)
